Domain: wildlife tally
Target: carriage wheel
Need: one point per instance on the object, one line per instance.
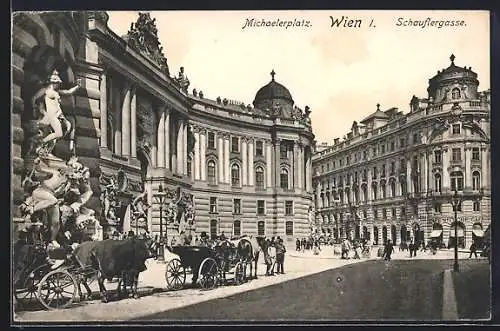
(239, 273)
(209, 274)
(28, 293)
(57, 289)
(175, 275)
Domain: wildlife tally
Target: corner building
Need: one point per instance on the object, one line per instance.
(394, 175)
(252, 165)
(244, 169)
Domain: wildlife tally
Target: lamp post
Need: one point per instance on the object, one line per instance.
(455, 202)
(160, 197)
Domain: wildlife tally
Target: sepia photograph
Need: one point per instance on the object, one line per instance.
(286, 166)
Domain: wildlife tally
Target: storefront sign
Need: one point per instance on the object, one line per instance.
(462, 219)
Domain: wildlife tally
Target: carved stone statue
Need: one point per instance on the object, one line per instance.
(61, 197)
(140, 207)
(53, 115)
(184, 81)
(143, 36)
(109, 200)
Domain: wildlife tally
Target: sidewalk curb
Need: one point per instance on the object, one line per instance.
(450, 312)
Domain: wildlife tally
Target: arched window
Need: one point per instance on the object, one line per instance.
(374, 188)
(457, 181)
(356, 195)
(365, 193)
(393, 189)
(261, 230)
(455, 93)
(259, 177)
(289, 228)
(284, 180)
(475, 181)
(237, 228)
(341, 196)
(403, 188)
(235, 175)
(213, 229)
(437, 182)
(211, 172)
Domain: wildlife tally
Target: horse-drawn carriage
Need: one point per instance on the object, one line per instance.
(36, 279)
(54, 277)
(207, 265)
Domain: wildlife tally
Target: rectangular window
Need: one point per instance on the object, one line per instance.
(235, 144)
(383, 171)
(237, 228)
(261, 207)
(393, 168)
(382, 148)
(476, 206)
(333, 164)
(393, 144)
(340, 162)
(384, 213)
(402, 142)
(456, 154)
(283, 151)
(213, 205)
(393, 212)
(289, 228)
(475, 153)
(289, 207)
(374, 173)
(415, 138)
(374, 151)
(237, 206)
(365, 155)
(437, 156)
(403, 211)
(437, 207)
(456, 128)
(211, 140)
(259, 148)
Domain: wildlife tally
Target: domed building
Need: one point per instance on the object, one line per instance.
(399, 175)
(252, 165)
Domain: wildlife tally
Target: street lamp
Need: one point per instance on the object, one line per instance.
(160, 198)
(456, 200)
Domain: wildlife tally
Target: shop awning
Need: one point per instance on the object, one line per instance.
(460, 232)
(478, 232)
(436, 233)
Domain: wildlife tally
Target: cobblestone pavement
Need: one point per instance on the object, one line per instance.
(156, 298)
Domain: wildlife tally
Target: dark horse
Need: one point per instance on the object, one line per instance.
(114, 258)
(248, 250)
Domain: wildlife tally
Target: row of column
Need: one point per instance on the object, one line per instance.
(125, 138)
(247, 150)
(426, 177)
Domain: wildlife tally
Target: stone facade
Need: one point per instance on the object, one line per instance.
(137, 128)
(394, 174)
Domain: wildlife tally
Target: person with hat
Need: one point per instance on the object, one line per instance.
(51, 108)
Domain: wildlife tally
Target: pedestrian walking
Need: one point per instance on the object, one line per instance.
(473, 250)
(297, 245)
(303, 245)
(280, 256)
(388, 250)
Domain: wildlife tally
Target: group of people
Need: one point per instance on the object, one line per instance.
(301, 245)
(275, 256)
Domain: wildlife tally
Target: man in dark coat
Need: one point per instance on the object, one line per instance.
(280, 256)
(388, 250)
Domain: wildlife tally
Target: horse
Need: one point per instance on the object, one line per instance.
(122, 258)
(248, 249)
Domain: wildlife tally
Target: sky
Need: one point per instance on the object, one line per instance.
(341, 73)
